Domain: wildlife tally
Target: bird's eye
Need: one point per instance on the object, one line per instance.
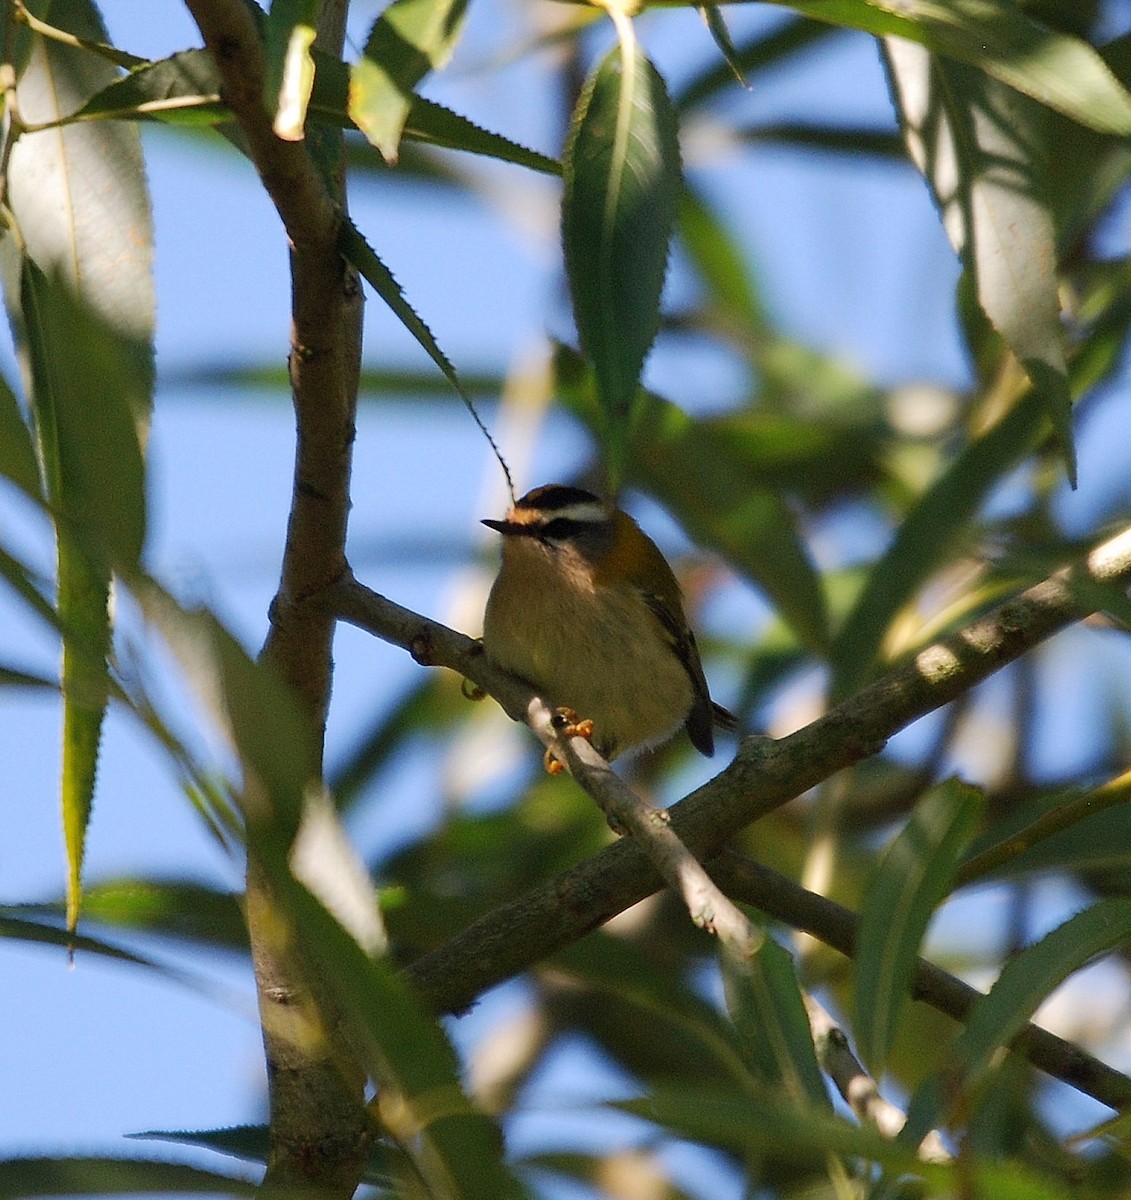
(561, 529)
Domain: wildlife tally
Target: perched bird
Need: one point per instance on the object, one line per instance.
(587, 611)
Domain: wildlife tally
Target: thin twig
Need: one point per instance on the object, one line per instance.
(857, 1087)
(765, 775)
(834, 925)
(707, 906)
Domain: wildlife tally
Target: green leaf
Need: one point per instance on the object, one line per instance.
(657, 1026)
(1025, 982)
(83, 312)
(249, 702)
(717, 26)
(454, 1147)
(765, 1003)
(436, 125)
(907, 886)
(621, 170)
(87, 1176)
(17, 453)
(183, 89)
(765, 52)
(997, 37)
(720, 262)
(90, 438)
(361, 256)
(407, 41)
(179, 908)
(29, 588)
(17, 925)
(927, 537)
(289, 35)
(252, 1144)
(981, 148)
(764, 1123)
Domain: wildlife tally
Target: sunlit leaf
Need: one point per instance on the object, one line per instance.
(455, 1148)
(84, 312)
(621, 170)
(981, 148)
(907, 886)
(1025, 982)
(997, 37)
(290, 32)
(407, 41)
(928, 535)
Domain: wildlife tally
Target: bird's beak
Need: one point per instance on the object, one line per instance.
(510, 528)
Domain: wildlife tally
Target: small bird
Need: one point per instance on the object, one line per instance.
(587, 611)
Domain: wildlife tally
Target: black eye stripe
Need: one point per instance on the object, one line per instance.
(561, 529)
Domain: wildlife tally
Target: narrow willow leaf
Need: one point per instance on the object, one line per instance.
(95, 480)
(252, 1144)
(90, 435)
(409, 39)
(927, 536)
(250, 704)
(86, 1176)
(907, 886)
(677, 1026)
(767, 1008)
(184, 89)
(17, 926)
(980, 147)
(720, 262)
(30, 588)
(17, 453)
(622, 179)
(714, 21)
(361, 256)
(1025, 982)
(765, 52)
(180, 908)
(84, 316)
(454, 1147)
(436, 125)
(766, 1123)
(997, 37)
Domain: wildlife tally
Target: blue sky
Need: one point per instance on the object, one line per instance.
(852, 260)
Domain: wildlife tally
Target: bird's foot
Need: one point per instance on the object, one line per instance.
(567, 723)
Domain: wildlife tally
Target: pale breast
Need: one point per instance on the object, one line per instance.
(597, 651)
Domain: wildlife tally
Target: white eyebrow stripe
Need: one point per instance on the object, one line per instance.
(586, 513)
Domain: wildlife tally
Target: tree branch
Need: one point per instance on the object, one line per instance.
(320, 1131)
(764, 776)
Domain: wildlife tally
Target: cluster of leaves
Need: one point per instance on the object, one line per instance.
(1019, 125)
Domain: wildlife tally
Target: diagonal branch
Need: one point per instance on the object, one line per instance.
(764, 776)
